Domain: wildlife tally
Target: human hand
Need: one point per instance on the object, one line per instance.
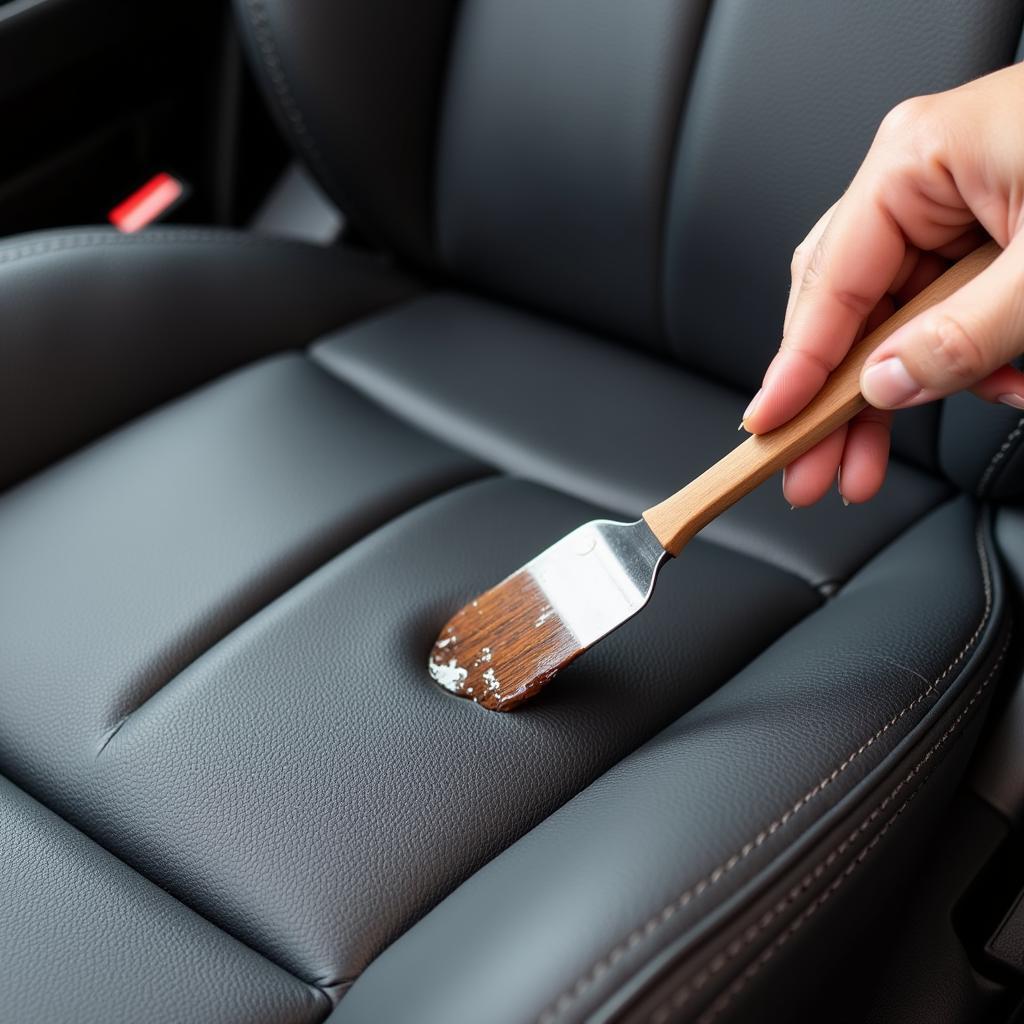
(943, 173)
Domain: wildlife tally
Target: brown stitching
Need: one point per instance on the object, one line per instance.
(737, 947)
(659, 920)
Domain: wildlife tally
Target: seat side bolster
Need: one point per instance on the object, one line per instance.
(100, 327)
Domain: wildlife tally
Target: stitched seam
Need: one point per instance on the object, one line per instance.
(659, 920)
(675, 1002)
(274, 66)
(11, 255)
(1001, 455)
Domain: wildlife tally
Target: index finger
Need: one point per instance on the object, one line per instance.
(855, 260)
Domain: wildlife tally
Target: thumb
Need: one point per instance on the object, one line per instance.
(957, 344)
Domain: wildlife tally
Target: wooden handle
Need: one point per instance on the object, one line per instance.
(676, 519)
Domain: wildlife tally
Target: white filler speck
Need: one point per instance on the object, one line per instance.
(450, 676)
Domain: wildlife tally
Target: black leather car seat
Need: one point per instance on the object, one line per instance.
(231, 793)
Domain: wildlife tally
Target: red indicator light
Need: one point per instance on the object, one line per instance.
(147, 204)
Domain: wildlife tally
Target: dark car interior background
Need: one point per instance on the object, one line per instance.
(450, 279)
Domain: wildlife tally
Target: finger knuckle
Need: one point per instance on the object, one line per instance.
(906, 118)
(814, 274)
(798, 260)
(916, 127)
(816, 278)
(954, 350)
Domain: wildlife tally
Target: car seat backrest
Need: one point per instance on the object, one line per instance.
(556, 144)
(642, 168)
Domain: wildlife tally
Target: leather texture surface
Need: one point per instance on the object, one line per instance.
(996, 776)
(214, 621)
(1007, 942)
(562, 158)
(775, 960)
(100, 327)
(356, 87)
(920, 971)
(77, 925)
(127, 561)
(620, 429)
(681, 838)
(307, 764)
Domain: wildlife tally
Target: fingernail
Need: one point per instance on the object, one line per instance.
(846, 500)
(792, 508)
(750, 408)
(888, 384)
(1012, 400)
